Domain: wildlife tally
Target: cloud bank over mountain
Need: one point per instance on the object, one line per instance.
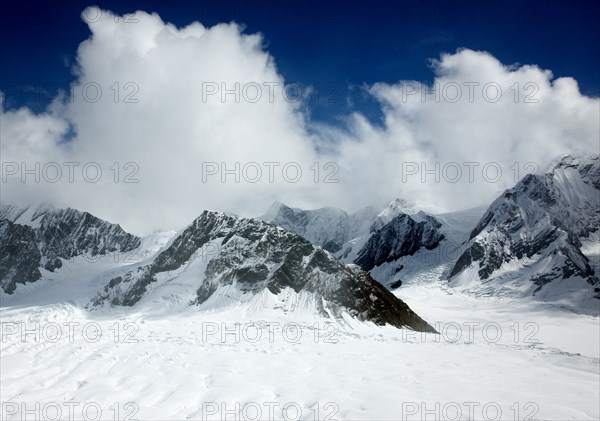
(177, 120)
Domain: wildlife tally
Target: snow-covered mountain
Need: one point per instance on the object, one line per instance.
(28, 215)
(539, 238)
(219, 260)
(329, 228)
(216, 262)
(368, 238)
(39, 237)
(394, 208)
(345, 234)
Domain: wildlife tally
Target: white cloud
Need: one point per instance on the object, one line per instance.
(173, 128)
(467, 128)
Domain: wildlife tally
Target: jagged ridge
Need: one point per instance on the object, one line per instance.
(544, 216)
(254, 256)
(48, 235)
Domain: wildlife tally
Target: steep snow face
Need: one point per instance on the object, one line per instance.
(30, 215)
(529, 240)
(395, 207)
(329, 228)
(219, 257)
(43, 237)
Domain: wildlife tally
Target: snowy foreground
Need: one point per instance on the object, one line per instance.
(494, 360)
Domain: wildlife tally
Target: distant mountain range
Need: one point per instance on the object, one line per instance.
(216, 261)
(539, 239)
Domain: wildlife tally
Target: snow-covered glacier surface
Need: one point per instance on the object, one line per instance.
(500, 355)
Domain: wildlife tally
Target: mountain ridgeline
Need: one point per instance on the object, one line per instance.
(538, 239)
(329, 228)
(366, 238)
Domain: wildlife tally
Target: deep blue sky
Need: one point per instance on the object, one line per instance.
(333, 44)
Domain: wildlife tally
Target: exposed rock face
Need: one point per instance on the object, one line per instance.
(402, 236)
(541, 221)
(19, 256)
(42, 236)
(253, 256)
(67, 233)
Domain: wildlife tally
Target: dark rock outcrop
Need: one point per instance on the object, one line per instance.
(402, 236)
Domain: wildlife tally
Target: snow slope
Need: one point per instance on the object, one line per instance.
(196, 366)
